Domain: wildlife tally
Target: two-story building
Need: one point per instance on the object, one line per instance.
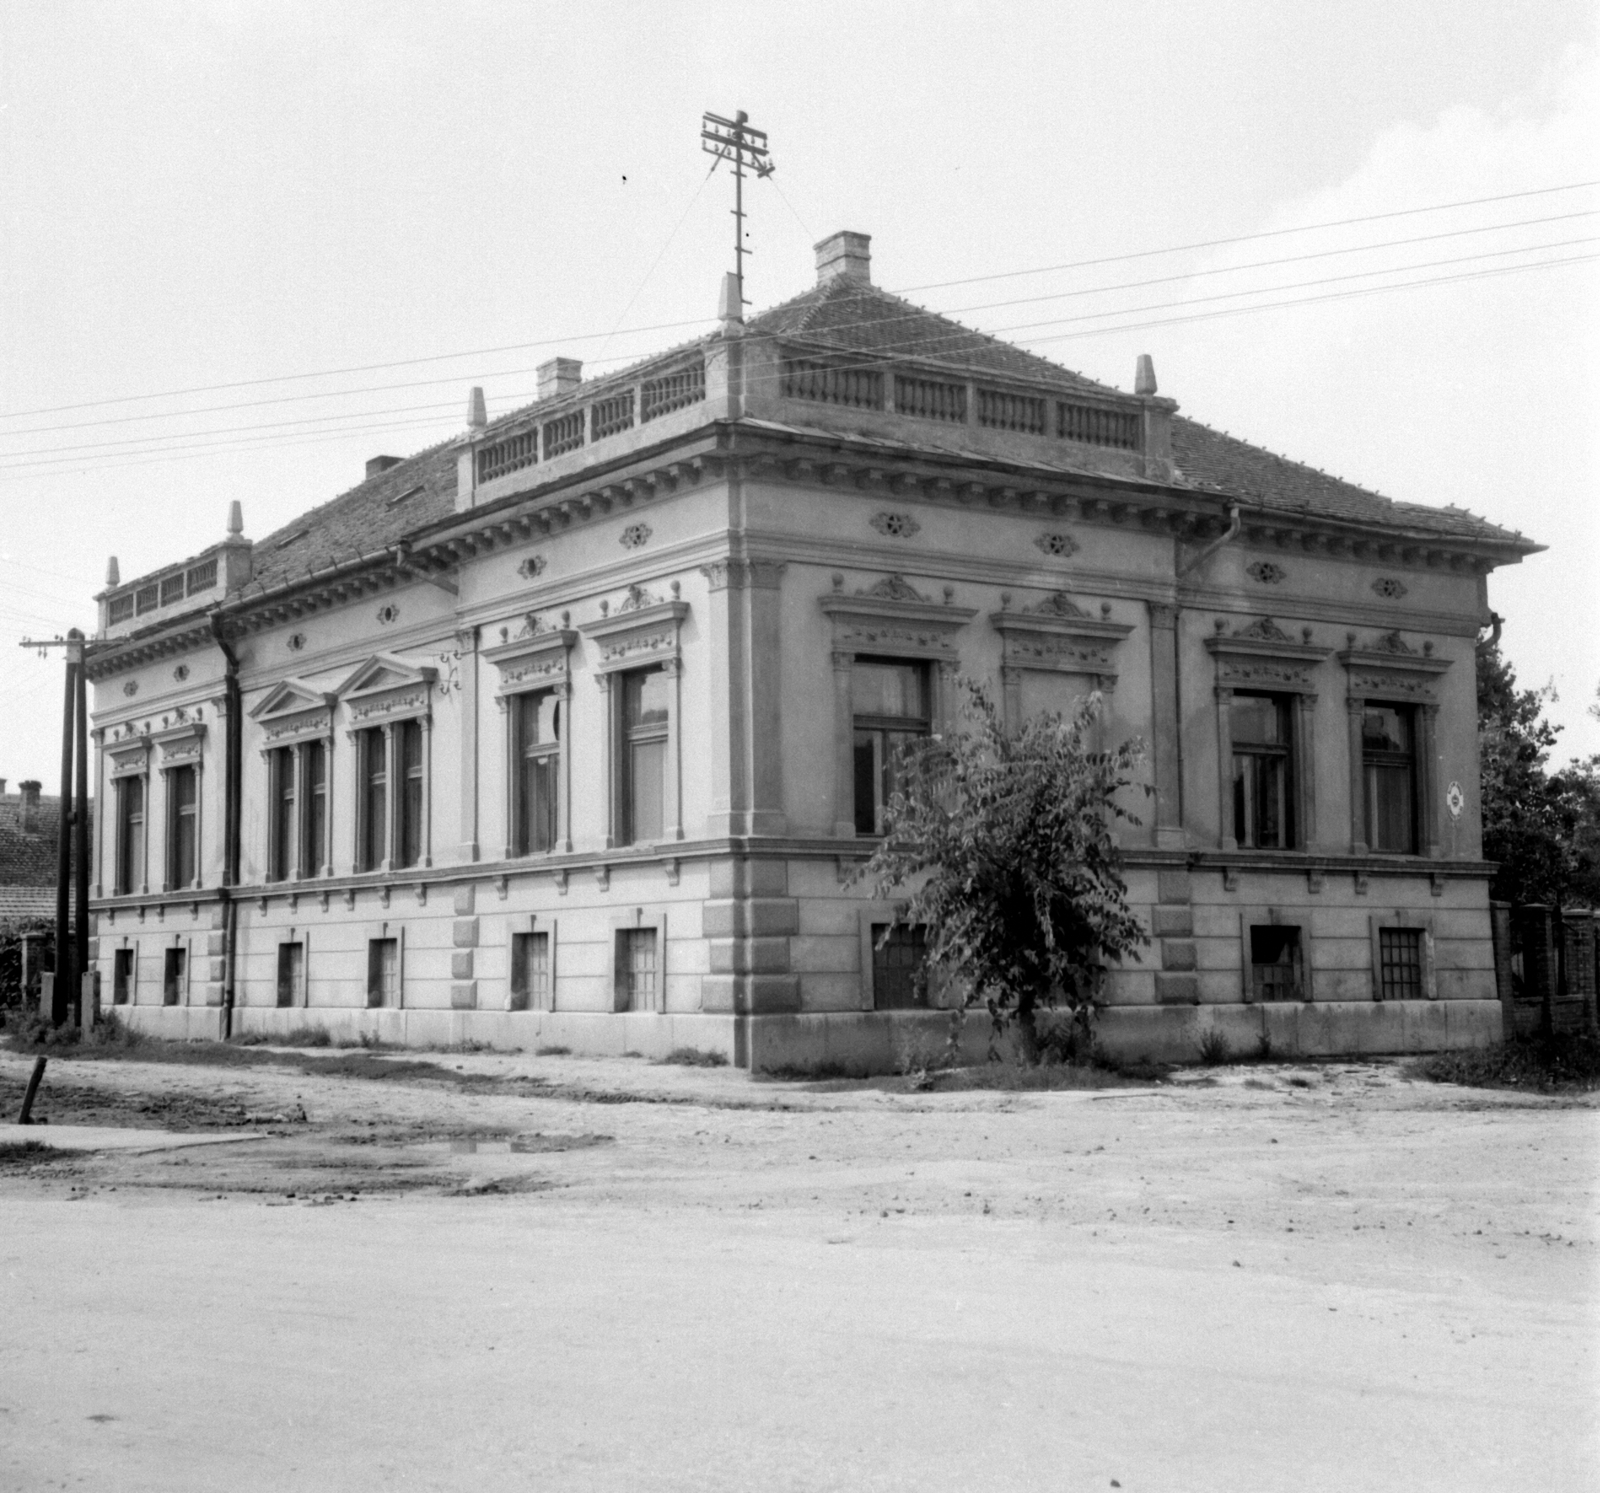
(573, 728)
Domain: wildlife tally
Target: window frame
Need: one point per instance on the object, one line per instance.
(880, 728)
(538, 658)
(629, 738)
(299, 991)
(639, 920)
(888, 620)
(1057, 636)
(1403, 920)
(1260, 658)
(1262, 915)
(643, 632)
(942, 993)
(526, 758)
(124, 868)
(124, 975)
(182, 825)
(1389, 672)
(1255, 753)
(391, 695)
(391, 934)
(519, 997)
(1377, 761)
(176, 973)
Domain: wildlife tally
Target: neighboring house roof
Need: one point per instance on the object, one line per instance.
(28, 859)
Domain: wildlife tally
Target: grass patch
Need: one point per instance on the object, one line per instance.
(552, 1050)
(1039, 1077)
(693, 1057)
(26, 1152)
(811, 1072)
(1540, 1065)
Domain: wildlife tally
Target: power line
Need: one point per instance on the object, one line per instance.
(1217, 243)
(65, 453)
(700, 321)
(885, 356)
(952, 311)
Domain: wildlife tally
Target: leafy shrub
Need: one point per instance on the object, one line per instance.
(1214, 1048)
(694, 1057)
(1539, 1064)
(552, 1050)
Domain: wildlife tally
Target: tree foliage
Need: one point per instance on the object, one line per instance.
(1004, 841)
(1542, 828)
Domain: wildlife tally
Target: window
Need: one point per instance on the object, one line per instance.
(130, 834)
(281, 785)
(646, 710)
(174, 962)
(1263, 788)
(122, 977)
(1388, 760)
(1400, 964)
(408, 765)
(889, 709)
(638, 983)
(538, 749)
(1276, 969)
(531, 988)
(899, 978)
(291, 974)
(372, 756)
(383, 972)
(314, 818)
(182, 825)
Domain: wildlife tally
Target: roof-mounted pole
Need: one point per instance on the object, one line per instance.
(738, 141)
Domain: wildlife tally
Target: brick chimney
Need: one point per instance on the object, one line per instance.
(559, 376)
(30, 805)
(2, 787)
(845, 254)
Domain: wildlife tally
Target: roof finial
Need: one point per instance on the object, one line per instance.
(113, 575)
(729, 312)
(1144, 378)
(235, 518)
(477, 410)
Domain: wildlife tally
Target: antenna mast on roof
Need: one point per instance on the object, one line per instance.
(737, 141)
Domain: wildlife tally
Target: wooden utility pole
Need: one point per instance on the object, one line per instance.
(72, 835)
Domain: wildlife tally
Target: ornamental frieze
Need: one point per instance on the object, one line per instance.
(1059, 636)
(892, 616)
(1390, 668)
(1261, 655)
(642, 629)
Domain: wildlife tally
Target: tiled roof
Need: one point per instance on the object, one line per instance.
(28, 859)
(19, 904)
(371, 515)
(1209, 459)
(857, 317)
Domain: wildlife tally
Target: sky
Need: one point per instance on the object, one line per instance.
(330, 221)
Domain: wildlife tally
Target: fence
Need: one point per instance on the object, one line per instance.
(1545, 962)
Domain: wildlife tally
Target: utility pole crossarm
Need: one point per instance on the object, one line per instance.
(738, 141)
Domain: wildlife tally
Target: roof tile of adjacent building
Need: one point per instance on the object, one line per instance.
(852, 316)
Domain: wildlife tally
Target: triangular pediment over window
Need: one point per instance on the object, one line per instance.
(387, 687)
(292, 711)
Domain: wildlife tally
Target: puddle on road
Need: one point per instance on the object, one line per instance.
(529, 1145)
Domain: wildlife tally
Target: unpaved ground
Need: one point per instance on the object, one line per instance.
(482, 1271)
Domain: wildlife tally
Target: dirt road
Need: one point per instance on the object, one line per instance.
(485, 1272)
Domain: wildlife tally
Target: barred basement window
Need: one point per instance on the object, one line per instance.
(608, 416)
(1020, 412)
(291, 974)
(1276, 969)
(383, 972)
(122, 977)
(671, 391)
(530, 972)
(860, 388)
(1098, 427)
(930, 399)
(174, 962)
(563, 435)
(1400, 964)
(899, 957)
(636, 957)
